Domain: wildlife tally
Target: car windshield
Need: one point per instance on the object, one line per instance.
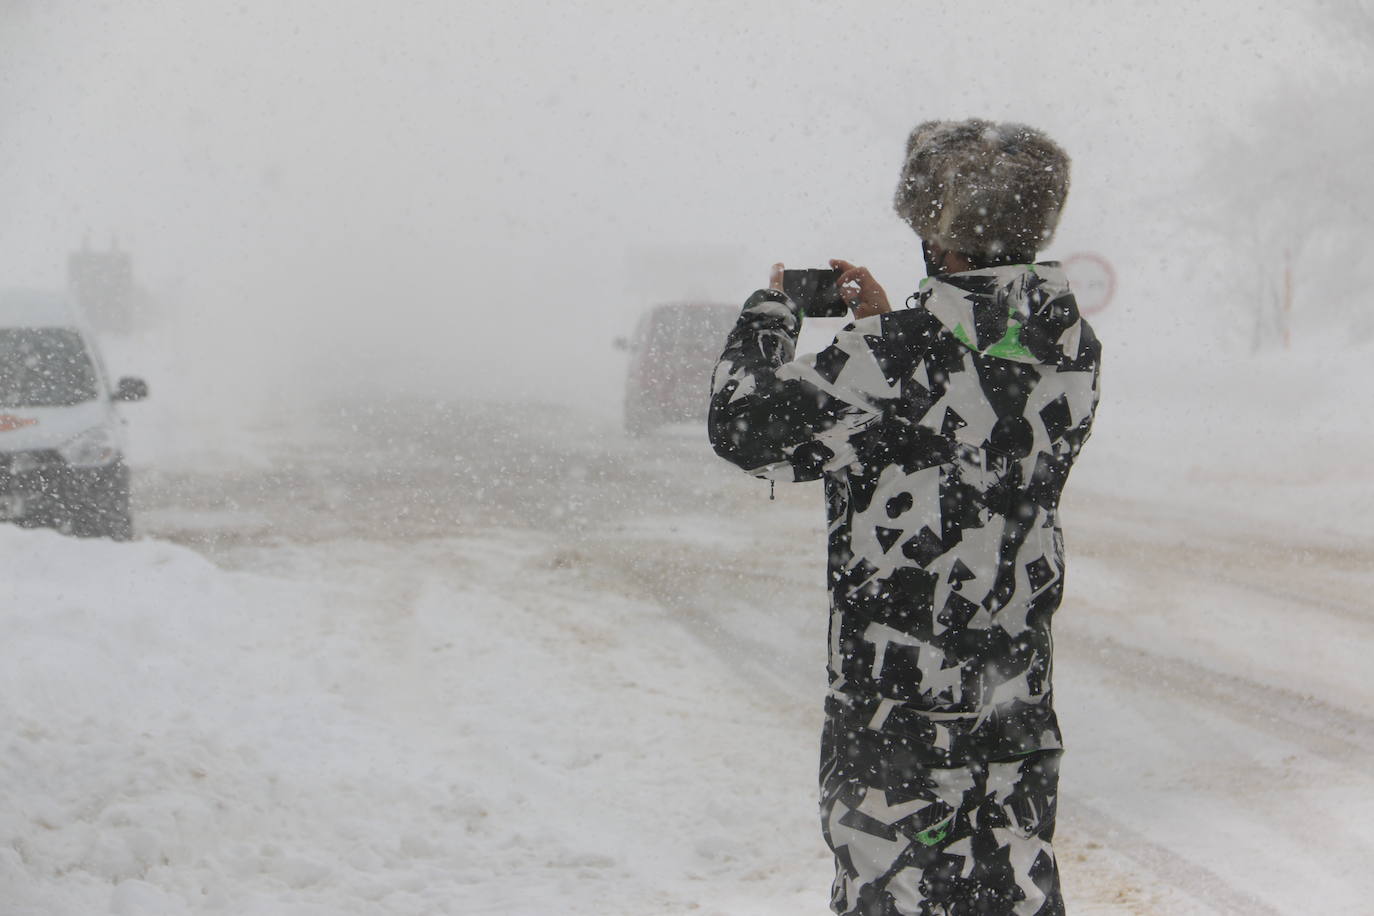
(44, 367)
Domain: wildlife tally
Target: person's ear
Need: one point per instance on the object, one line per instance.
(934, 257)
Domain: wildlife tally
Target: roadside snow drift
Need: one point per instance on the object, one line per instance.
(185, 739)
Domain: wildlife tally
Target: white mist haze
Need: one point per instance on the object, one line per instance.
(413, 622)
(462, 199)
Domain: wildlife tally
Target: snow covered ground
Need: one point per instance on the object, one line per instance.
(439, 655)
(411, 658)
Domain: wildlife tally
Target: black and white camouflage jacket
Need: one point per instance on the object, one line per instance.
(944, 433)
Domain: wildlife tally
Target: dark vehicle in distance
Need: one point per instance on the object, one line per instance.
(674, 348)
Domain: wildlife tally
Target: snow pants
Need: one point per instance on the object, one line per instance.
(911, 839)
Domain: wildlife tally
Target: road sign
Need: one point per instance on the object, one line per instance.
(1093, 281)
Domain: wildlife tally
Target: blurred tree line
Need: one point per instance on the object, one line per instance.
(1290, 200)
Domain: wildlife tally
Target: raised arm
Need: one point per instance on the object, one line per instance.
(787, 418)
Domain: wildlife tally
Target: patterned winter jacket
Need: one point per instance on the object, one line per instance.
(944, 433)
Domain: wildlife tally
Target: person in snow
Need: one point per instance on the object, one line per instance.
(944, 433)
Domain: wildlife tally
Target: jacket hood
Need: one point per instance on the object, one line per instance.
(1024, 313)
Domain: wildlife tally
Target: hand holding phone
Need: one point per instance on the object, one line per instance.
(816, 292)
(864, 294)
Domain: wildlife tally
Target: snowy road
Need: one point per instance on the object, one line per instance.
(1206, 674)
(516, 663)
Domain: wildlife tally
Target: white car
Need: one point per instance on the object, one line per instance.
(61, 439)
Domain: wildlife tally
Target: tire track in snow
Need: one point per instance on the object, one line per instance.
(753, 657)
(1198, 882)
(1341, 609)
(698, 588)
(1185, 698)
(1238, 557)
(1339, 735)
(685, 582)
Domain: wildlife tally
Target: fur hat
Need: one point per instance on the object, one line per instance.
(983, 189)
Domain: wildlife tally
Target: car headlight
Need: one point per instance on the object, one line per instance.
(93, 448)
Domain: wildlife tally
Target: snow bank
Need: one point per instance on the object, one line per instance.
(364, 737)
(144, 697)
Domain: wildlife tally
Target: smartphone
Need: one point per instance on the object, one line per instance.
(816, 291)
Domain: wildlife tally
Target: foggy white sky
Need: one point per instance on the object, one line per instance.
(428, 193)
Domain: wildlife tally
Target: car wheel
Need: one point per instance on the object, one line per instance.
(102, 509)
(110, 520)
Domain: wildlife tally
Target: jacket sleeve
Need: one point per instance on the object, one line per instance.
(793, 419)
